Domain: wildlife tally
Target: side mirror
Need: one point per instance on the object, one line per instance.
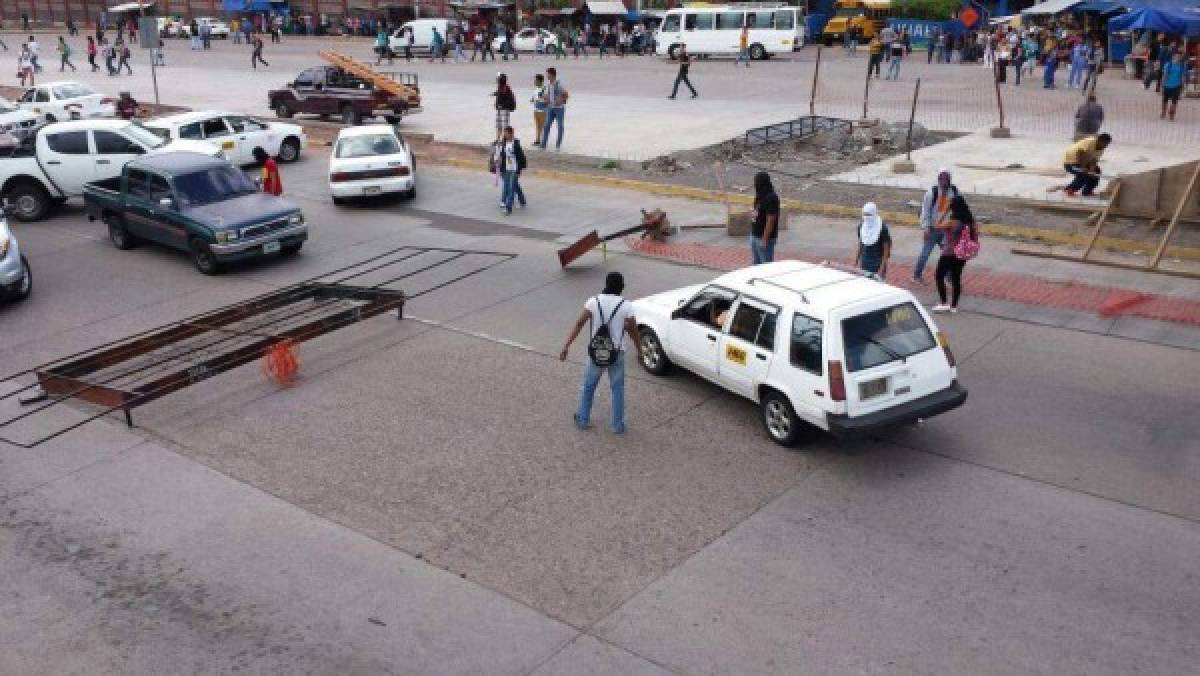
(166, 203)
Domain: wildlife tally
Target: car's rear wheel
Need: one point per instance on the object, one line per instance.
(654, 358)
(119, 234)
(283, 110)
(758, 52)
(780, 419)
(289, 150)
(31, 201)
(25, 287)
(203, 258)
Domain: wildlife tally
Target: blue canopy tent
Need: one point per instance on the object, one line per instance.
(1184, 23)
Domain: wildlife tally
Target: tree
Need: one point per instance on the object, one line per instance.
(928, 10)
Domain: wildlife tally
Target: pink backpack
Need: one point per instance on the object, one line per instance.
(967, 246)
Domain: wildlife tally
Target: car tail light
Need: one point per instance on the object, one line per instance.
(400, 171)
(108, 99)
(339, 176)
(946, 348)
(837, 382)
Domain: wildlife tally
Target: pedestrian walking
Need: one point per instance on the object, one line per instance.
(110, 57)
(1048, 70)
(1095, 66)
(158, 53)
(508, 161)
(935, 209)
(1018, 59)
(1174, 74)
(874, 242)
(560, 43)
(685, 62)
(194, 34)
(459, 55)
(64, 53)
(875, 55)
(852, 40)
(1078, 63)
(765, 230)
(962, 244)
(72, 29)
(91, 53)
(382, 48)
(477, 42)
(556, 101)
(1158, 57)
(270, 182)
(256, 56)
(123, 55)
(539, 108)
(489, 37)
(408, 44)
(1088, 118)
(25, 69)
(235, 31)
(1082, 160)
(34, 50)
(743, 55)
(611, 320)
(437, 47)
(894, 65)
(505, 102)
(579, 42)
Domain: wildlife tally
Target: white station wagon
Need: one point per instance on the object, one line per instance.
(813, 345)
(236, 134)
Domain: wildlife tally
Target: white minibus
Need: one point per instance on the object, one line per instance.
(715, 31)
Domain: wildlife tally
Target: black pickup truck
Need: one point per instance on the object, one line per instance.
(199, 204)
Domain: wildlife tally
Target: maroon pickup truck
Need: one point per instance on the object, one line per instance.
(328, 91)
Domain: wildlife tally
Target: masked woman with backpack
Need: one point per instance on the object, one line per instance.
(962, 244)
(611, 318)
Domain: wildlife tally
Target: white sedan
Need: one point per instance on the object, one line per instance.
(237, 134)
(66, 101)
(525, 40)
(371, 160)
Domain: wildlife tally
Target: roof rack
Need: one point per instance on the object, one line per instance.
(833, 265)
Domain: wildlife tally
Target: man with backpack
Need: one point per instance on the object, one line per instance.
(611, 319)
(935, 208)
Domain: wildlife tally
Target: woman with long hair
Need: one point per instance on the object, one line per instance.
(505, 103)
(959, 226)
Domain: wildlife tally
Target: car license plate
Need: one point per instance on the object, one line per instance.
(872, 388)
(270, 247)
(371, 190)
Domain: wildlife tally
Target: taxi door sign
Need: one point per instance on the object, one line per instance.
(228, 145)
(735, 354)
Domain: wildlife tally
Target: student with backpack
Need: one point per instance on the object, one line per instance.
(935, 208)
(611, 319)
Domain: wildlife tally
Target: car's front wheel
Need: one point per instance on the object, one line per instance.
(203, 258)
(283, 111)
(25, 287)
(119, 234)
(289, 150)
(780, 419)
(654, 358)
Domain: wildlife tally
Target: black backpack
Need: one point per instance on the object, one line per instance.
(602, 348)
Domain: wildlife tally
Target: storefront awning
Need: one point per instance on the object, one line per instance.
(131, 6)
(1051, 7)
(607, 8)
(555, 12)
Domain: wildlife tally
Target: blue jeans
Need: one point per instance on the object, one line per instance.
(510, 187)
(893, 69)
(760, 253)
(616, 380)
(1048, 73)
(1075, 76)
(551, 115)
(933, 237)
(743, 56)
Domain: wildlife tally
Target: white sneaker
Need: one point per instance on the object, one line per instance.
(941, 308)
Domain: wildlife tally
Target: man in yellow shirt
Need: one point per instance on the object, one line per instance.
(1082, 160)
(743, 47)
(876, 50)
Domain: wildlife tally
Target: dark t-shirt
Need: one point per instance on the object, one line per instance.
(685, 60)
(766, 206)
(872, 256)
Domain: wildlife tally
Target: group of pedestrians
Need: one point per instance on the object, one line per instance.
(508, 158)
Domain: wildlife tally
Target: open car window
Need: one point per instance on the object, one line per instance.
(710, 306)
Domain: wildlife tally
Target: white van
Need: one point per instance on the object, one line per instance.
(422, 33)
(715, 31)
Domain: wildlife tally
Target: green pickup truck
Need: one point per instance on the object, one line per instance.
(198, 204)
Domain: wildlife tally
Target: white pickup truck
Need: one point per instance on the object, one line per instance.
(51, 167)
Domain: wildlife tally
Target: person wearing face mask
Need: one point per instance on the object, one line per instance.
(874, 242)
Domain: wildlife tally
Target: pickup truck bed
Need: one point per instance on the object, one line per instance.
(102, 195)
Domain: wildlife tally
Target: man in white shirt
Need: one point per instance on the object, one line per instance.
(610, 312)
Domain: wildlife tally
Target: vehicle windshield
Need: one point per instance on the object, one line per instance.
(212, 185)
(72, 91)
(151, 138)
(885, 335)
(367, 146)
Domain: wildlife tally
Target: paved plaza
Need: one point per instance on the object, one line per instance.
(419, 502)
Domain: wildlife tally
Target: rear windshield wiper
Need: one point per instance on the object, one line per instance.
(887, 350)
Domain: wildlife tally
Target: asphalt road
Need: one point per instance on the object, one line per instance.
(420, 502)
